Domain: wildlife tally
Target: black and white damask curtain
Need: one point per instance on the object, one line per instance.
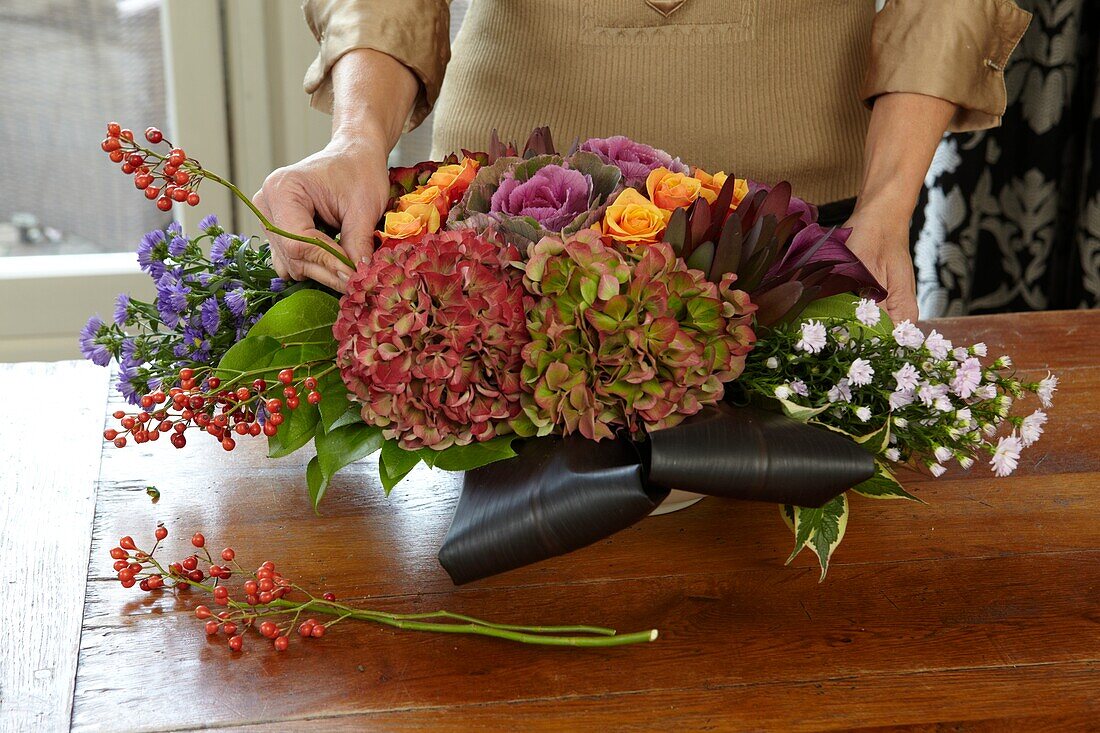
(1010, 219)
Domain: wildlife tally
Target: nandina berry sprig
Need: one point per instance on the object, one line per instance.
(217, 409)
(173, 177)
(262, 604)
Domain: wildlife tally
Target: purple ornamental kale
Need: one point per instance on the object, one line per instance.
(636, 160)
(554, 196)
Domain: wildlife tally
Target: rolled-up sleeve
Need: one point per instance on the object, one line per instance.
(415, 32)
(952, 49)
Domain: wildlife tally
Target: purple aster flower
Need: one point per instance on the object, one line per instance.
(150, 253)
(175, 229)
(171, 298)
(278, 285)
(554, 196)
(211, 315)
(219, 248)
(208, 223)
(122, 309)
(129, 352)
(177, 246)
(90, 342)
(634, 159)
(236, 302)
(131, 384)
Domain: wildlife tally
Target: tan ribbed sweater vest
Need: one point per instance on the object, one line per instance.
(764, 89)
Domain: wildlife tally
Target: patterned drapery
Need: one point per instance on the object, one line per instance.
(1010, 218)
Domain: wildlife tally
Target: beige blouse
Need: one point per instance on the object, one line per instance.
(760, 88)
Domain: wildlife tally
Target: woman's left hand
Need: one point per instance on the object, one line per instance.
(881, 241)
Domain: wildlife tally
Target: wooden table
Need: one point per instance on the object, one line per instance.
(980, 610)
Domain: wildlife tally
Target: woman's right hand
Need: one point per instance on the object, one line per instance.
(345, 185)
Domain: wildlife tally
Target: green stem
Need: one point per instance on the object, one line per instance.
(539, 635)
(274, 229)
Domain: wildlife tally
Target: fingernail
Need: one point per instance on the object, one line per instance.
(343, 276)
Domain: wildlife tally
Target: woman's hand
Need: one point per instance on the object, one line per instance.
(345, 185)
(881, 241)
(903, 135)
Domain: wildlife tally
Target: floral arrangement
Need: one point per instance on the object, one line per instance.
(609, 296)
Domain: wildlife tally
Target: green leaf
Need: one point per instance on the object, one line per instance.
(474, 455)
(248, 354)
(336, 409)
(820, 529)
(306, 316)
(883, 485)
(800, 413)
(351, 416)
(834, 522)
(339, 448)
(843, 307)
(878, 441)
(297, 429)
(395, 464)
(806, 521)
(702, 257)
(315, 481)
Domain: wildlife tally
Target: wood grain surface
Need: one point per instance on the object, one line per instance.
(49, 433)
(977, 611)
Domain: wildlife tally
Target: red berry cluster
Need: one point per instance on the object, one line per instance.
(167, 178)
(206, 406)
(259, 606)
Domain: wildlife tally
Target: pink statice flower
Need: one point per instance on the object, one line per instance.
(901, 398)
(840, 392)
(907, 377)
(1032, 427)
(937, 345)
(860, 373)
(908, 335)
(1047, 387)
(813, 337)
(867, 312)
(968, 377)
(1006, 456)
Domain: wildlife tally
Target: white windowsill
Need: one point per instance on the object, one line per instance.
(51, 266)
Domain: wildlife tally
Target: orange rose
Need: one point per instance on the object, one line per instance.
(424, 195)
(454, 179)
(415, 220)
(673, 190)
(634, 219)
(712, 185)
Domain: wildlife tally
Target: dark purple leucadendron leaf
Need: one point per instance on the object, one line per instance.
(818, 249)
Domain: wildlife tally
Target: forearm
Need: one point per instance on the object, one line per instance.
(903, 135)
(373, 94)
